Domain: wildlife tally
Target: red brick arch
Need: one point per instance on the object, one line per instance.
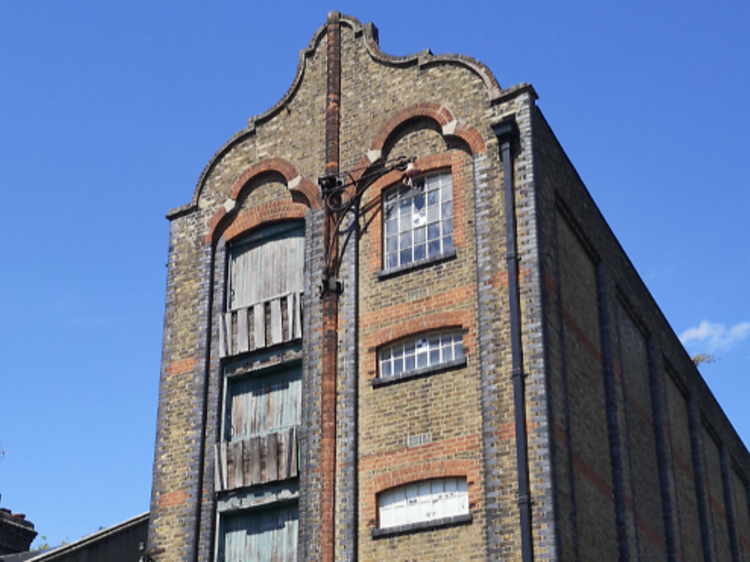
(436, 112)
(424, 323)
(270, 212)
(430, 470)
(413, 467)
(304, 195)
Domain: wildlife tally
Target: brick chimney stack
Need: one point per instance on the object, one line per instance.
(16, 534)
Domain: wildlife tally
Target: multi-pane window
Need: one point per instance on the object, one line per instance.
(428, 350)
(423, 501)
(418, 221)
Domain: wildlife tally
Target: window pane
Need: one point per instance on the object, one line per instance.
(420, 252)
(445, 191)
(398, 366)
(458, 349)
(385, 369)
(405, 222)
(418, 202)
(391, 244)
(433, 198)
(435, 356)
(420, 235)
(391, 227)
(409, 363)
(433, 250)
(405, 256)
(447, 244)
(433, 231)
(447, 210)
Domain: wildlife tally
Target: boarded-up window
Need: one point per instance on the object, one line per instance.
(266, 264)
(423, 501)
(258, 405)
(260, 534)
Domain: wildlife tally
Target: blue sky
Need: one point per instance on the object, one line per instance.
(110, 110)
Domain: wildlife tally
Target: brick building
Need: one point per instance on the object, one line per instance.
(445, 356)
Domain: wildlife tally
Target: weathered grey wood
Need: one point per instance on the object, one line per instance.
(222, 336)
(282, 454)
(243, 344)
(230, 467)
(272, 464)
(263, 459)
(247, 463)
(255, 456)
(259, 325)
(218, 484)
(297, 315)
(294, 453)
(290, 316)
(238, 475)
(276, 324)
(231, 349)
(223, 460)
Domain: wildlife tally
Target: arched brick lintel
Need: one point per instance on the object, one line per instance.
(270, 212)
(449, 468)
(303, 190)
(419, 325)
(438, 113)
(304, 193)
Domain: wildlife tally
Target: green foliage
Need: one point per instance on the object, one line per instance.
(700, 358)
(44, 544)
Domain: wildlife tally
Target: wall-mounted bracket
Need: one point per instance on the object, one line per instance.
(339, 200)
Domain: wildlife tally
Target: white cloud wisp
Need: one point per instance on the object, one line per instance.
(715, 336)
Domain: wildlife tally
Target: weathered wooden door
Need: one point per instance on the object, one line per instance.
(268, 535)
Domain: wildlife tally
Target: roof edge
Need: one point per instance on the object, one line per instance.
(87, 540)
(423, 58)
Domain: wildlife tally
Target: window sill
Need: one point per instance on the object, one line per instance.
(423, 526)
(424, 371)
(393, 272)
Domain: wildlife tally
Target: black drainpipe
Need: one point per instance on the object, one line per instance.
(506, 132)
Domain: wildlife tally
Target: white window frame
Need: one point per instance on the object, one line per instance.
(421, 353)
(418, 221)
(427, 501)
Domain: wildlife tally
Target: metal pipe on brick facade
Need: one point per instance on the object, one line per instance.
(506, 131)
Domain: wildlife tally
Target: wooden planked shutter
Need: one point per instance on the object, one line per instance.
(264, 404)
(267, 265)
(261, 534)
